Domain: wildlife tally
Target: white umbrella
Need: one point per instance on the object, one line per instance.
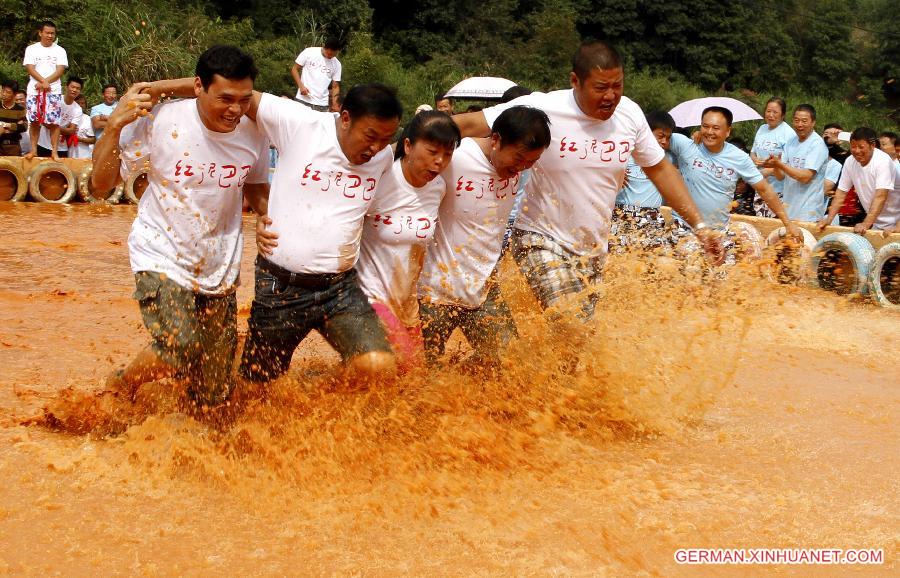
(688, 113)
(480, 87)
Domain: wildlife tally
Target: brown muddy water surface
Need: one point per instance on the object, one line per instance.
(732, 414)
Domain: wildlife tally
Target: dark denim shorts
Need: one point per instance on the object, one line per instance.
(286, 308)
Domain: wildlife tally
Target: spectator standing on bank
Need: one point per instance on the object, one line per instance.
(769, 141)
(12, 121)
(82, 146)
(888, 142)
(45, 62)
(444, 103)
(317, 73)
(100, 112)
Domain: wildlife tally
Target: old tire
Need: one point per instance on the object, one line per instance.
(884, 278)
(52, 182)
(841, 262)
(750, 243)
(133, 190)
(790, 263)
(88, 194)
(13, 181)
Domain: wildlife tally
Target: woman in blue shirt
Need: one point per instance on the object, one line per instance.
(770, 140)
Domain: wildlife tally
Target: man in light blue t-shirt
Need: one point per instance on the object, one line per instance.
(100, 112)
(802, 168)
(712, 167)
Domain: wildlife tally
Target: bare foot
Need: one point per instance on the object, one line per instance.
(28, 156)
(54, 156)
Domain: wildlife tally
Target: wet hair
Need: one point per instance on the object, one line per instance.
(867, 134)
(373, 99)
(44, 23)
(780, 102)
(432, 126)
(729, 118)
(806, 108)
(514, 92)
(594, 54)
(523, 125)
(227, 61)
(333, 43)
(109, 85)
(889, 135)
(833, 125)
(12, 85)
(660, 119)
(73, 78)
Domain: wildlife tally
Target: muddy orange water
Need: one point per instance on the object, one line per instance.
(705, 414)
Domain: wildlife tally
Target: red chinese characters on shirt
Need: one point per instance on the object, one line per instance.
(714, 170)
(350, 185)
(606, 150)
(491, 186)
(403, 222)
(225, 175)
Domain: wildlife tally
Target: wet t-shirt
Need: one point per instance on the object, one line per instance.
(573, 186)
(471, 223)
(805, 202)
(400, 223)
(188, 224)
(318, 198)
(711, 177)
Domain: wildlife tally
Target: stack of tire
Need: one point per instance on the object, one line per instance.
(848, 265)
(56, 182)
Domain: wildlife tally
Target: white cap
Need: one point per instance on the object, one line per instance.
(423, 108)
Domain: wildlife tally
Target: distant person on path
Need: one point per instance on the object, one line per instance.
(876, 179)
(12, 121)
(100, 112)
(69, 120)
(317, 74)
(45, 62)
(769, 141)
(801, 168)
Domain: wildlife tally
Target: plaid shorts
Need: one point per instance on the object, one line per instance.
(52, 108)
(552, 271)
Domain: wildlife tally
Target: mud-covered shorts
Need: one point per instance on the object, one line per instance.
(287, 306)
(488, 328)
(195, 334)
(553, 272)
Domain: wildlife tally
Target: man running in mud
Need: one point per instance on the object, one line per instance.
(560, 239)
(203, 155)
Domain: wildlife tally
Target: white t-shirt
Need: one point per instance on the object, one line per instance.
(45, 60)
(317, 74)
(188, 224)
(68, 114)
(471, 223)
(880, 173)
(573, 187)
(397, 229)
(85, 130)
(318, 199)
